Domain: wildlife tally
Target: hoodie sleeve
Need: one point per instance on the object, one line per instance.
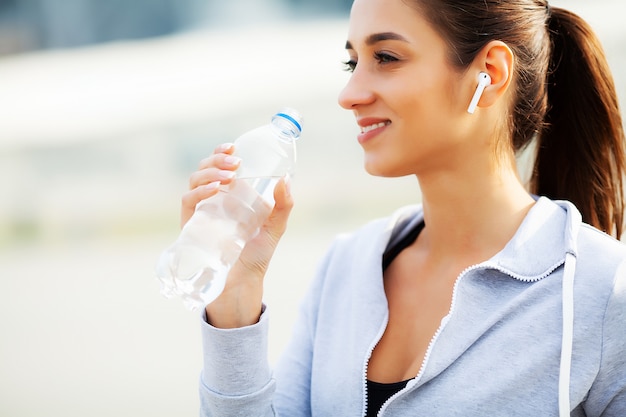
(236, 378)
(607, 397)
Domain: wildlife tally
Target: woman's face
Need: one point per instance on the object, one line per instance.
(404, 94)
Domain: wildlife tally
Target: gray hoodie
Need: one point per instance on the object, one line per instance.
(499, 352)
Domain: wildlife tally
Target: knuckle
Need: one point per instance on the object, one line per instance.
(193, 180)
(204, 162)
(188, 199)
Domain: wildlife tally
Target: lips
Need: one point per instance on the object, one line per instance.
(371, 123)
(371, 127)
(365, 129)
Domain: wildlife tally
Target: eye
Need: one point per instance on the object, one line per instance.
(384, 58)
(349, 65)
(381, 57)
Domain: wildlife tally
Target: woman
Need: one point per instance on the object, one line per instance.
(486, 300)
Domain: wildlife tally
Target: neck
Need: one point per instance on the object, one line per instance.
(471, 215)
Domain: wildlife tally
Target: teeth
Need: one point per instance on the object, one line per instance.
(374, 126)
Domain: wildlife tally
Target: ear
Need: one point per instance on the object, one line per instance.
(497, 60)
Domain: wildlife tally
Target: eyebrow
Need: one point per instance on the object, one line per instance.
(379, 37)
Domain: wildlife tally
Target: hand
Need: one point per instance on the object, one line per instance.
(241, 301)
(217, 169)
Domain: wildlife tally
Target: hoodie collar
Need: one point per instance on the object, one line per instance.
(546, 234)
(538, 247)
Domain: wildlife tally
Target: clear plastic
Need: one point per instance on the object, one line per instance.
(195, 266)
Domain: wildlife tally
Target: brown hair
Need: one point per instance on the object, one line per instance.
(564, 97)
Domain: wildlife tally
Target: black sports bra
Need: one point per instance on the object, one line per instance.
(378, 393)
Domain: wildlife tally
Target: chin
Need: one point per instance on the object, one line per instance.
(373, 169)
(382, 170)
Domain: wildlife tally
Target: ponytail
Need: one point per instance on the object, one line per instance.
(580, 150)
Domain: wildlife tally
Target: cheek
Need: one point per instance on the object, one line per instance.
(424, 94)
(429, 132)
(424, 114)
(432, 107)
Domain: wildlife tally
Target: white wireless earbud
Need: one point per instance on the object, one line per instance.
(483, 81)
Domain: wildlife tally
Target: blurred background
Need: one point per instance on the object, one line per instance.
(106, 108)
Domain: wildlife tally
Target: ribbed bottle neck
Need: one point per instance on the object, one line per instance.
(287, 124)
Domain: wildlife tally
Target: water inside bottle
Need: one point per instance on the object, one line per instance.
(196, 266)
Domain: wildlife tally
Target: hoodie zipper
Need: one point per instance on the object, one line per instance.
(444, 321)
(379, 336)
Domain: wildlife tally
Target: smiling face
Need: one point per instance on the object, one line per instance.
(406, 97)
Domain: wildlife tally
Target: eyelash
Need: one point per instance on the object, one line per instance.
(349, 65)
(381, 57)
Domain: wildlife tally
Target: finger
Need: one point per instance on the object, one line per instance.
(219, 152)
(256, 255)
(218, 167)
(224, 148)
(222, 160)
(208, 175)
(277, 222)
(193, 197)
(282, 192)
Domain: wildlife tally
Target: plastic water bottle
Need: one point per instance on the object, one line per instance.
(196, 265)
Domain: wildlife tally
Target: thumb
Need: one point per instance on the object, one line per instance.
(258, 252)
(283, 203)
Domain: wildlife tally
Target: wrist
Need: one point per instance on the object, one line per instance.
(235, 308)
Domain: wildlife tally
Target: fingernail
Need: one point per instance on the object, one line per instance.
(212, 185)
(288, 184)
(226, 175)
(232, 160)
(224, 147)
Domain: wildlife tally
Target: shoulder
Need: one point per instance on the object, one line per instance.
(600, 279)
(599, 253)
(592, 239)
(379, 231)
(357, 255)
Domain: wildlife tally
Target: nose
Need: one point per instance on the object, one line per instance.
(358, 91)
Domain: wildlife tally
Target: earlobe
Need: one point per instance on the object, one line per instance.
(483, 81)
